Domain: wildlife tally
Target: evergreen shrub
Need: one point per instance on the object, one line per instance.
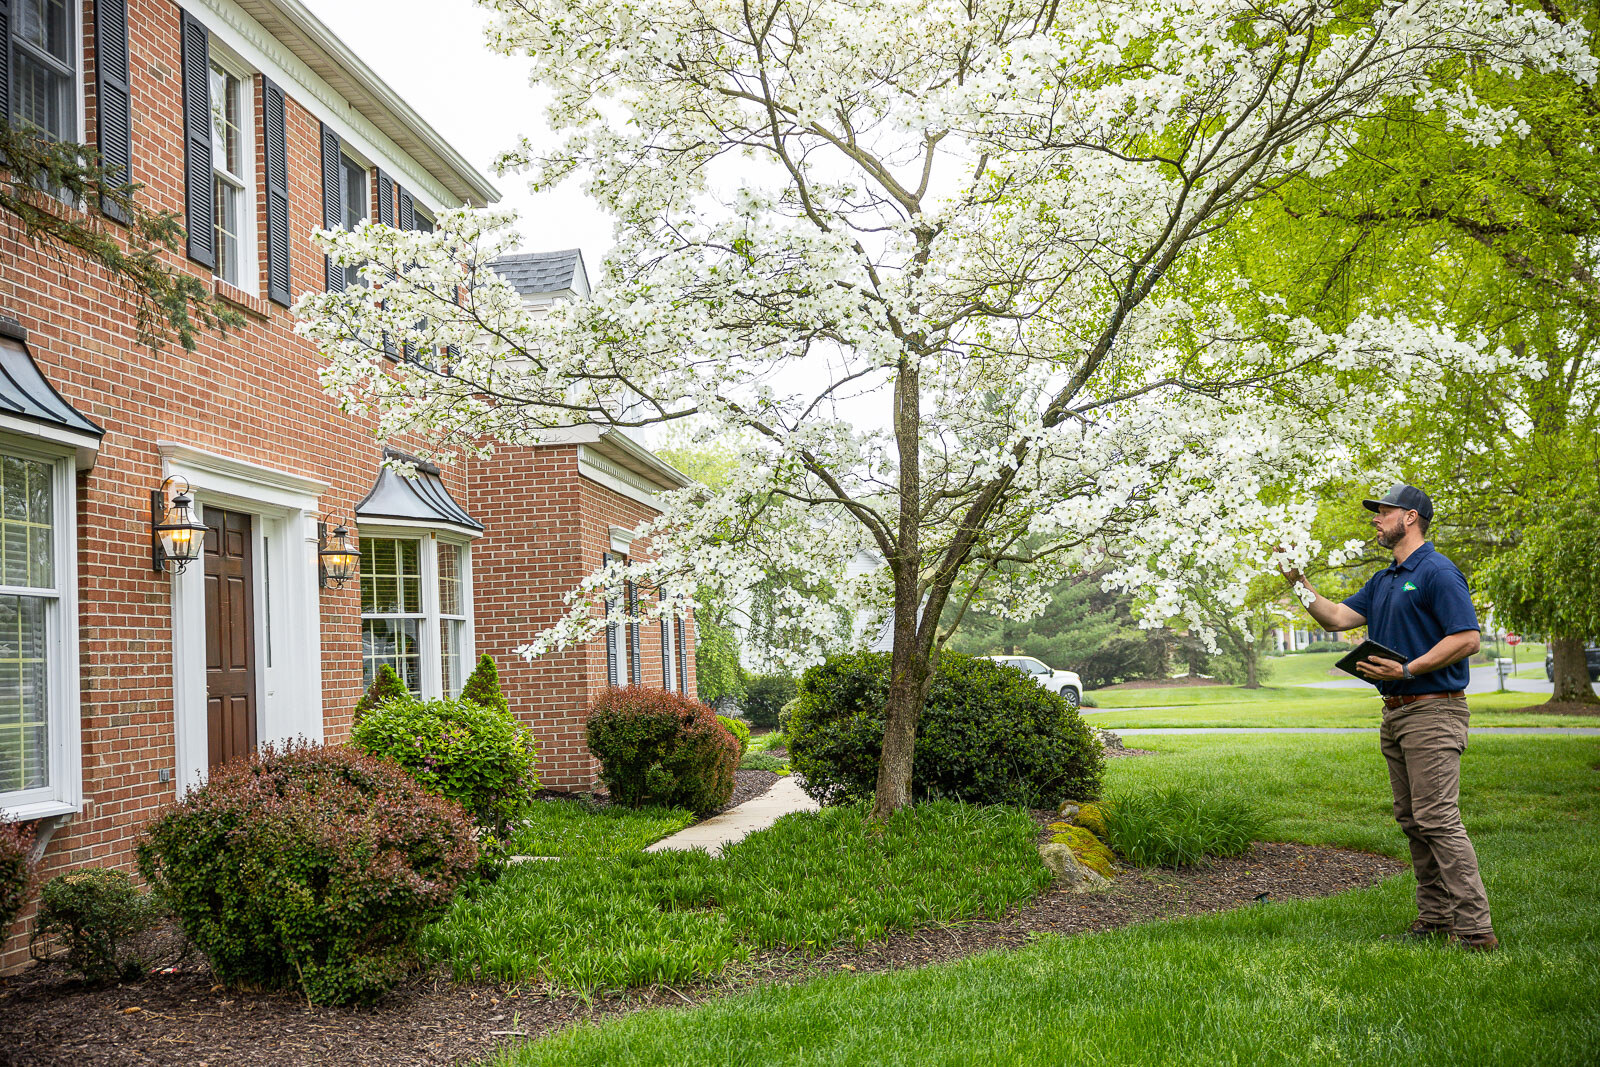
(97, 915)
(16, 872)
(385, 687)
(987, 735)
(309, 866)
(764, 696)
(656, 747)
(480, 757)
(482, 686)
(740, 732)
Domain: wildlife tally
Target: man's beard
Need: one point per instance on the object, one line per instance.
(1388, 540)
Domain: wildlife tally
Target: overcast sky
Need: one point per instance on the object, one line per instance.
(432, 53)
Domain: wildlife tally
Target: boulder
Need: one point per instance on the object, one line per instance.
(1069, 873)
(1069, 811)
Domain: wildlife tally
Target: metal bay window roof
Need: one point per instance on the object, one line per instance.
(30, 405)
(419, 501)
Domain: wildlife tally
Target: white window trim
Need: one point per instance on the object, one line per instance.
(249, 217)
(428, 562)
(64, 794)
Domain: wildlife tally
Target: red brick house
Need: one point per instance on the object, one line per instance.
(121, 684)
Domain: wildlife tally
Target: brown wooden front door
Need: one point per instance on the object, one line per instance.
(230, 636)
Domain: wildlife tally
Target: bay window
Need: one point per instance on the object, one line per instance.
(416, 611)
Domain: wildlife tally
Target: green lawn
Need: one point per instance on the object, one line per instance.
(1341, 708)
(1306, 982)
(811, 881)
(577, 829)
(1182, 695)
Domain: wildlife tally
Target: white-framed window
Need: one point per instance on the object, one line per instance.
(39, 741)
(44, 67)
(416, 610)
(232, 166)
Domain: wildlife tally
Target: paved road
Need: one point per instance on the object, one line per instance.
(1532, 731)
(1484, 680)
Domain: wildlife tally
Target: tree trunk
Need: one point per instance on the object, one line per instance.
(1252, 670)
(903, 709)
(1572, 672)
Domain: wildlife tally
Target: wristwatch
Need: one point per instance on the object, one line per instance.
(1405, 672)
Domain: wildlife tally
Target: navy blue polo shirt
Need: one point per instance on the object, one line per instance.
(1412, 606)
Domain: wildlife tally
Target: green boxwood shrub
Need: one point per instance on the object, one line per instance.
(987, 735)
(309, 866)
(386, 686)
(97, 915)
(656, 747)
(764, 696)
(16, 872)
(740, 732)
(480, 757)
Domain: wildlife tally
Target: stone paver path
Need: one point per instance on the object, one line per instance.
(736, 824)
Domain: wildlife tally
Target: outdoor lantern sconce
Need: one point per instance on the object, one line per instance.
(338, 558)
(175, 536)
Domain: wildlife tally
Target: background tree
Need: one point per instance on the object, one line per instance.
(939, 267)
(169, 302)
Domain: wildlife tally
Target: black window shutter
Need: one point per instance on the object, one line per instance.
(635, 667)
(683, 664)
(666, 644)
(277, 154)
(113, 99)
(5, 60)
(332, 202)
(199, 207)
(385, 198)
(611, 635)
(408, 209)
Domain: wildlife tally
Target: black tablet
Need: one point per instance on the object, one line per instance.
(1368, 649)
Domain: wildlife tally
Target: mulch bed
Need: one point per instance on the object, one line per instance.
(46, 1018)
(1550, 707)
(1181, 682)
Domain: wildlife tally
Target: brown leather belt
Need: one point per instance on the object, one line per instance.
(1412, 698)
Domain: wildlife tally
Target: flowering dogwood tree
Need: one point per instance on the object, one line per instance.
(933, 265)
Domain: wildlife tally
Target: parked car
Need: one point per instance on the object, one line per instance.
(1592, 654)
(1066, 683)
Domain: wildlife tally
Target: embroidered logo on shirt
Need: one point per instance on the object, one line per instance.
(1410, 588)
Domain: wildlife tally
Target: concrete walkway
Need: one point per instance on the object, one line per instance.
(1534, 731)
(736, 824)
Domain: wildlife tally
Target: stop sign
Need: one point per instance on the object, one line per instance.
(1513, 639)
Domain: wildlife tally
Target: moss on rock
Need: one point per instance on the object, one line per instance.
(1091, 818)
(1088, 848)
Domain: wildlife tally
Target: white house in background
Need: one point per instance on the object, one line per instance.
(543, 278)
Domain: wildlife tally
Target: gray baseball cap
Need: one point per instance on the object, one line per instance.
(1408, 497)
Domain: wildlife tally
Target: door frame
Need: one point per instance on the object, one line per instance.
(285, 511)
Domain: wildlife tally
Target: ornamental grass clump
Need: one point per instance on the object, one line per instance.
(987, 735)
(656, 747)
(311, 867)
(1176, 828)
(479, 756)
(97, 915)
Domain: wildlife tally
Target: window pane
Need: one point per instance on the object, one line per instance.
(27, 546)
(450, 655)
(355, 193)
(44, 24)
(227, 197)
(24, 695)
(409, 554)
(41, 96)
(450, 580)
(391, 641)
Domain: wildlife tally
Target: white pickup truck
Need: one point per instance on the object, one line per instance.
(1066, 683)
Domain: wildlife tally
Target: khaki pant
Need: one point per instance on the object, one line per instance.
(1423, 743)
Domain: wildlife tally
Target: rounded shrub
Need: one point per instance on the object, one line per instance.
(16, 871)
(309, 866)
(96, 914)
(986, 735)
(478, 756)
(740, 732)
(764, 696)
(660, 748)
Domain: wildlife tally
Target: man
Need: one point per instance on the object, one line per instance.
(1419, 607)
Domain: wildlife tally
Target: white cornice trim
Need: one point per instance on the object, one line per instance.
(174, 453)
(616, 477)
